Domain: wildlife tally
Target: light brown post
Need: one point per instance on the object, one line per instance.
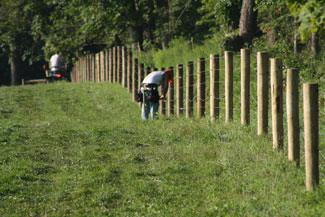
(87, 68)
(277, 104)
(245, 86)
(200, 87)
(84, 59)
(102, 64)
(129, 72)
(79, 71)
(107, 65)
(77, 66)
(214, 86)
(162, 104)
(292, 105)
(229, 67)
(140, 75)
(311, 131)
(124, 67)
(119, 64)
(170, 109)
(110, 65)
(189, 89)
(135, 79)
(262, 92)
(114, 65)
(179, 90)
(98, 68)
(82, 69)
(140, 78)
(93, 73)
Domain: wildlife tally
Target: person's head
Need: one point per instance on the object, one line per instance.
(170, 75)
(57, 52)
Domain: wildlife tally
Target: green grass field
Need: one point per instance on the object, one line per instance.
(82, 150)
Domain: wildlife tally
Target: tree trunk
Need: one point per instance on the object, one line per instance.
(271, 32)
(15, 65)
(314, 43)
(248, 21)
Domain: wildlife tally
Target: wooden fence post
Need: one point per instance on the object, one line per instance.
(245, 86)
(140, 78)
(162, 104)
(114, 65)
(110, 65)
(119, 64)
(214, 86)
(189, 90)
(77, 71)
(87, 68)
(135, 79)
(129, 72)
(292, 105)
(107, 65)
(277, 104)
(200, 87)
(140, 75)
(82, 69)
(93, 73)
(229, 68)
(98, 71)
(170, 108)
(102, 64)
(124, 67)
(262, 92)
(179, 90)
(311, 131)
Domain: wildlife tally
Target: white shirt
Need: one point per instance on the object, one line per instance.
(154, 78)
(56, 61)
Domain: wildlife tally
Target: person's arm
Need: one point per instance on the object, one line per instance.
(164, 86)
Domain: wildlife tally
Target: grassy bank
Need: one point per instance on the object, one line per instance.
(82, 150)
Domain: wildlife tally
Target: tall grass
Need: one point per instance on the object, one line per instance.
(83, 150)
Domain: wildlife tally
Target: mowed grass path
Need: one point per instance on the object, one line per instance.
(82, 150)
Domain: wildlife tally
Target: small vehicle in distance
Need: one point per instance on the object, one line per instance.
(54, 74)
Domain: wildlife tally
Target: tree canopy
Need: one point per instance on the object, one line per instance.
(31, 30)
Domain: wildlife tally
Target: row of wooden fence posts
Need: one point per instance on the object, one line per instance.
(117, 65)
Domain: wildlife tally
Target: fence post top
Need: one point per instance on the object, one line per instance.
(310, 84)
(263, 52)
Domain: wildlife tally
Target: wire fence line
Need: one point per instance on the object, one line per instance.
(134, 72)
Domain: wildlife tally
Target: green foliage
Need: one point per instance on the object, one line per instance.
(224, 15)
(182, 51)
(310, 15)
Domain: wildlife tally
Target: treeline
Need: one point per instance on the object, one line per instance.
(31, 30)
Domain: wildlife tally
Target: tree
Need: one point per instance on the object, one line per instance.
(311, 18)
(248, 21)
(16, 37)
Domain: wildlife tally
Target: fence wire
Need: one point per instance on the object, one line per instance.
(110, 75)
